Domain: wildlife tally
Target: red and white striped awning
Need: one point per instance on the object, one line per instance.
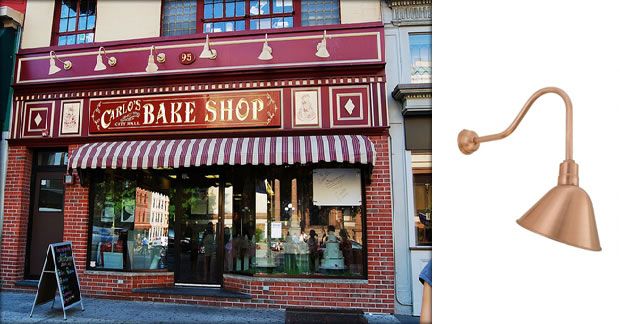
(220, 151)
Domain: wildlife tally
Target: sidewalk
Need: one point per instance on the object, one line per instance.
(15, 308)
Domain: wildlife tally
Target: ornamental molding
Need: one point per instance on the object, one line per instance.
(411, 12)
(232, 85)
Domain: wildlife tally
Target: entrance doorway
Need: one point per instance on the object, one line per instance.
(203, 205)
(46, 216)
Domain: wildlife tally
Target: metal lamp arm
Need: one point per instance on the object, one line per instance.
(469, 141)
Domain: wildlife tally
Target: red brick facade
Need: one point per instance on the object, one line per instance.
(16, 211)
(376, 294)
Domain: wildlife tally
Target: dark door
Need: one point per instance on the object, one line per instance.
(47, 217)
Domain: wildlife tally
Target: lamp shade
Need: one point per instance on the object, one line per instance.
(564, 214)
(53, 68)
(100, 66)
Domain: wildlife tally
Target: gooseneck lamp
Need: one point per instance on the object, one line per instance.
(565, 213)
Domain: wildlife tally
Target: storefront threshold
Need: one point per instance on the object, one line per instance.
(193, 291)
(27, 283)
(298, 280)
(128, 274)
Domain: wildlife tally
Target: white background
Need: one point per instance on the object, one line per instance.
(489, 57)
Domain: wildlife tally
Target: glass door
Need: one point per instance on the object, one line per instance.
(200, 233)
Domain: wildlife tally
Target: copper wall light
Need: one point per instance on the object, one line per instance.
(99, 66)
(53, 68)
(565, 213)
(151, 66)
(265, 53)
(207, 52)
(321, 47)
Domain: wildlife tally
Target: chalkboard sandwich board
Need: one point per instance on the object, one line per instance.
(59, 274)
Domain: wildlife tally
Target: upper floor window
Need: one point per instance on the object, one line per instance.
(421, 58)
(75, 22)
(181, 17)
(320, 12)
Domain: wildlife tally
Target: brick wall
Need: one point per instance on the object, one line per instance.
(373, 295)
(16, 210)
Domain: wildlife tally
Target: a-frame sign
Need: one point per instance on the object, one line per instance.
(59, 274)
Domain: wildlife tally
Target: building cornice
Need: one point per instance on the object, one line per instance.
(415, 98)
(10, 18)
(410, 12)
(412, 91)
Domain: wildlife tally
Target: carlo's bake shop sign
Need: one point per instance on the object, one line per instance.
(195, 111)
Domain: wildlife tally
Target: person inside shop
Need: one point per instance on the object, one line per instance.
(346, 247)
(208, 242)
(228, 257)
(324, 236)
(313, 250)
(426, 278)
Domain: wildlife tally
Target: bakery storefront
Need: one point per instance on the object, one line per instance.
(240, 170)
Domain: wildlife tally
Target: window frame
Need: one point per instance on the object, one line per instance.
(200, 19)
(247, 17)
(56, 25)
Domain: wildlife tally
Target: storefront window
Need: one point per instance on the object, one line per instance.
(423, 190)
(284, 229)
(252, 220)
(130, 218)
(420, 49)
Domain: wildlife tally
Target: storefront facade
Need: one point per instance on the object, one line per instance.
(254, 162)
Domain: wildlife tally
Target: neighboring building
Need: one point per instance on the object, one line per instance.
(142, 219)
(11, 21)
(408, 70)
(158, 217)
(273, 126)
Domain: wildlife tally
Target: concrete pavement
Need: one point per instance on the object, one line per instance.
(15, 308)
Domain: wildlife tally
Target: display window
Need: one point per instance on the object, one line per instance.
(130, 221)
(423, 190)
(300, 221)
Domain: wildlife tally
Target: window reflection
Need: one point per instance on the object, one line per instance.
(52, 158)
(247, 220)
(420, 50)
(130, 223)
(423, 190)
(283, 232)
(76, 22)
(51, 195)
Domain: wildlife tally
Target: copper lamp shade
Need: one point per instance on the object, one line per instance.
(565, 213)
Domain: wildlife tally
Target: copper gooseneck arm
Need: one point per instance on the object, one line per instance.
(469, 141)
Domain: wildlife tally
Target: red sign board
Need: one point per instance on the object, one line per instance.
(240, 109)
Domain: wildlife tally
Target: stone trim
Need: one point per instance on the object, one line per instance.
(411, 12)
